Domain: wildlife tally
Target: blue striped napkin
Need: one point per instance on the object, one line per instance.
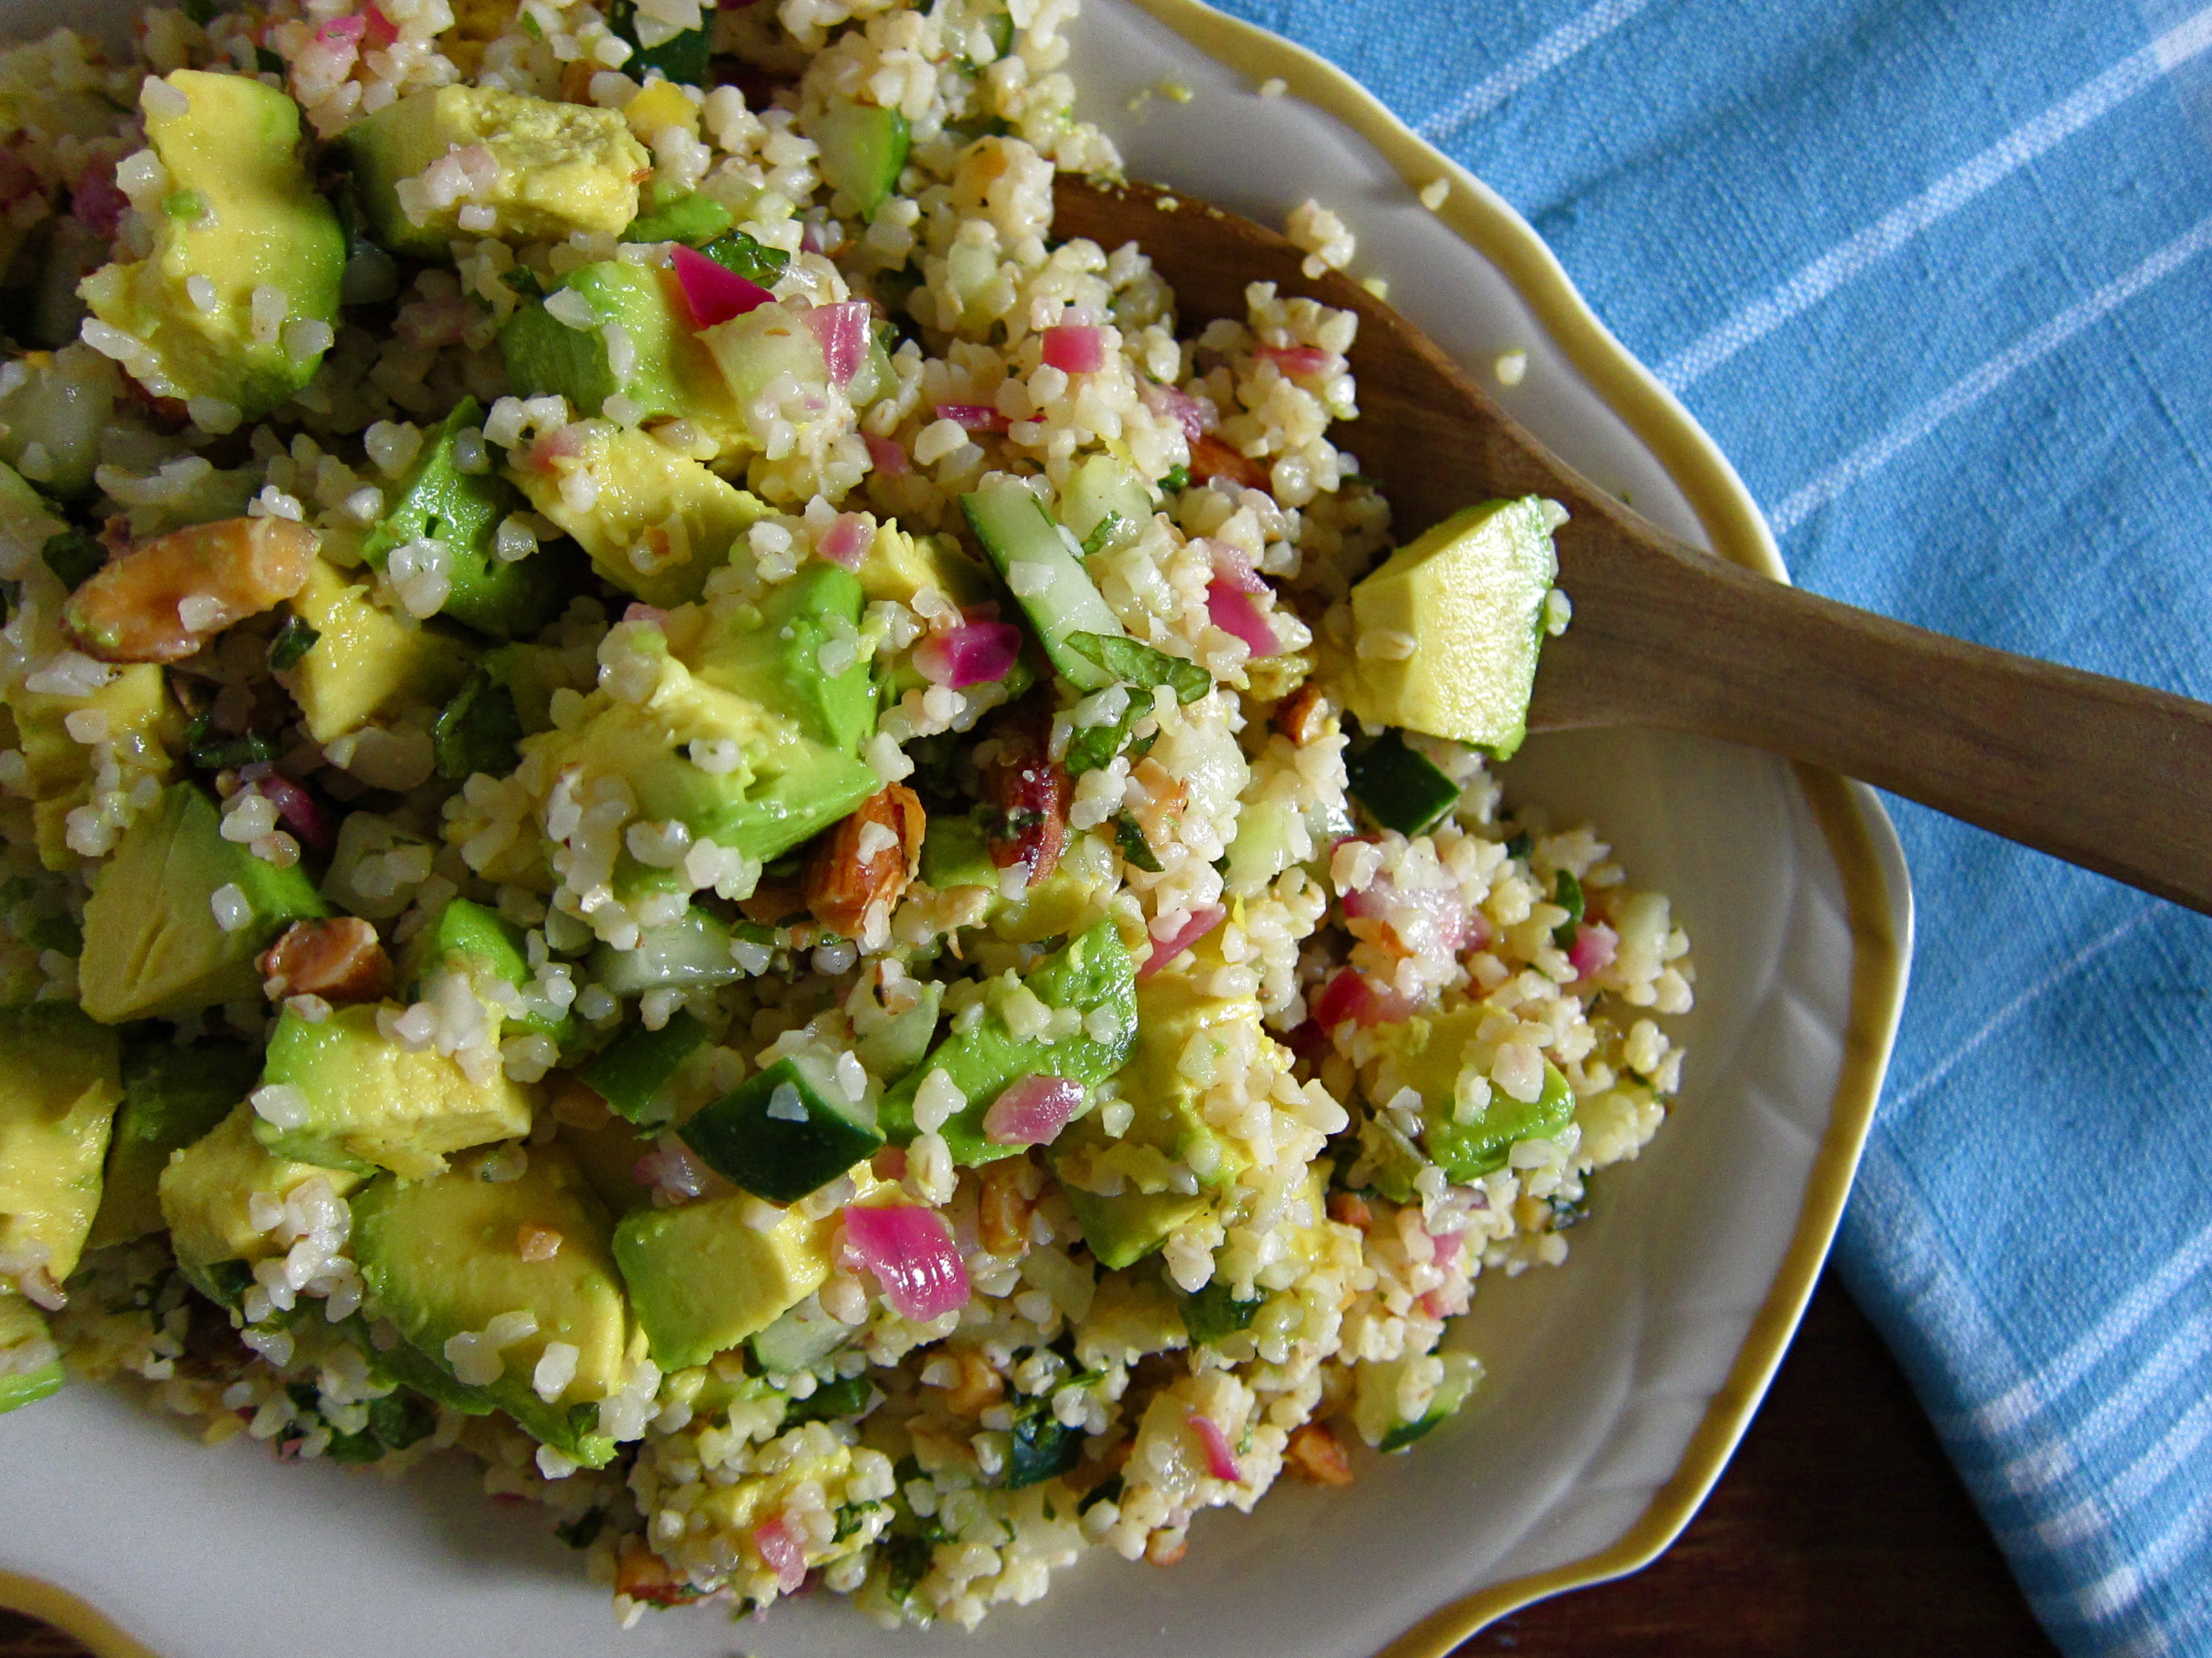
(1935, 276)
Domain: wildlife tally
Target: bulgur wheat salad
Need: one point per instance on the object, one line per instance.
(685, 809)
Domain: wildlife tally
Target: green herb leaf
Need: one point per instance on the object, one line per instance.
(477, 731)
(1213, 1313)
(1567, 894)
(749, 258)
(524, 281)
(1091, 747)
(1519, 846)
(1041, 1446)
(266, 62)
(233, 752)
(294, 640)
(846, 1397)
(682, 59)
(1176, 481)
(584, 1530)
(1134, 848)
(1138, 664)
(1106, 529)
(1108, 1490)
(200, 11)
(73, 554)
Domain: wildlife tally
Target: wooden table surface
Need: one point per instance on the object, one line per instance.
(1838, 1528)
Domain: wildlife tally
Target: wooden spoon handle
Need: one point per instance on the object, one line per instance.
(2113, 776)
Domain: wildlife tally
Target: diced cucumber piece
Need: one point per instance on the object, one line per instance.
(800, 1340)
(897, 1047)
(1399, 786)
(630, 1072)
(1032, 554)
(691, 218)
(1104, 494)
(783, 1134)
(864, 148)
(1375, 1412)
(688, 953)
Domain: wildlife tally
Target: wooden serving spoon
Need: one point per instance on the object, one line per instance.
(2113, 776)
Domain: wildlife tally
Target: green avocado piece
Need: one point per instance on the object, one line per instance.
(365, 1103)
(1093, 972)
(954, 852)
(688, 953)
(462, 510)
(28, 1372)
(777, 655)
(207, 1190)
(1426, 1053)
(784, 1133)
(1470, 592)
(558, 168)
(245, 217)
(172, 1095)
(153, 947)
(1166, 1132)
(671, 372)
(469, 937)
(864, 146)
(703, 1278)
(60, 1082)
(443, 1258)
(609, 1155)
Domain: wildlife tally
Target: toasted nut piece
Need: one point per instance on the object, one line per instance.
(164, 598)
(577, 1104)
(340, 960)
(1303, 716)
(1166, 1548)
(863, 867)
(1025, 791)
(1316, 1454)
(1002, 1209)
(1350, 1208)
(536, 1242)
(644, 1575)
(1210, 457)
(979, 1388)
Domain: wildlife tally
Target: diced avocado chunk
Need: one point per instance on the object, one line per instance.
(631, 1072)
(1092, 976)
(153, 947)
(30, 1364)
(777, 655)
(661, 523)
(784, 1133)
(207, 1189)
(703, 1278)
(780, 788)
(443, 1257)
(899, 565)
(1045, 575)
(688, 953)
(558, 168)
(60, 1082)
(461, 510)
(1444, 1380)
(172, 1096)
(609, 1155)
(1429, 1054)
(1470, 593)
(468, 938)
(359, 1100)
(669, 371)
(864, 146)
(367, 664)
(1125, 1192)
(954, 852)
(142, 721)
(236, 147)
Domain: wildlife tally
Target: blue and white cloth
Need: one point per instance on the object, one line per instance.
(1937, 275)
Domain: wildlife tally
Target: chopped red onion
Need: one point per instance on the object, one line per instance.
(298, 810)
(1233, 568)
(1221, 1460)
(341, 32)
(1202, 921)
(972, 417)
(843, 330)
(96, 200)
(845, 542)
(1442, 912)
(1195, 418)
(714, 293)
(1300, 358)
(780, 1553)
(910, 1250)
(1234, 612)
(973, 654)
(1075, 347)
(884, 454)
(1032, 1110)
(652, 613)
(382, 31)
(1594, 946)
(1350, 996)
(1447, 1249)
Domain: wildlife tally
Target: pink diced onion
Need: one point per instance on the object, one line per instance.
(1195, 418)
(973, 654)
(341, 32)
(714, 293)
(845, 542)
(652, 613)
(843, 330)
(1592, 952)
(1300, 358)
(1439, 913)
(381, 30)
(96, 200)
(911, 1252)
(1350, 996)
(1032, 1110)
(780, 1551)
(1202, 921)
(1233, 568)
(972, 417)
(1235, 613)
(297, 809)
(1221, 1460)
(1075, 348)
(886, 456)
(1447, 1249)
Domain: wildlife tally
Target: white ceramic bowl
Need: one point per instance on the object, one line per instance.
(1618, 1384)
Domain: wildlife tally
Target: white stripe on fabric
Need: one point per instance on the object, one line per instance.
(1539, 60)
(1901, 225)
(2136, 1481)
(1871, 457)
(2174, 1362)
(2007, 1413)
